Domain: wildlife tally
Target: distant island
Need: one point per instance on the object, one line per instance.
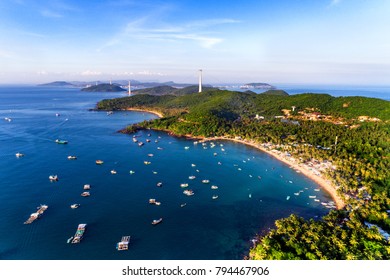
(104, 88)
(257, 86)
(57, 84)
(339, 142)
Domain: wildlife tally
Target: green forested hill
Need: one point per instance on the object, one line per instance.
(103, 88)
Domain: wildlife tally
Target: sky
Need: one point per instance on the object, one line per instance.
(344, 42)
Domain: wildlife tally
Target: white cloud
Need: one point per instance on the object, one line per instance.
(91, 73)
(50, 14)
(334, 3)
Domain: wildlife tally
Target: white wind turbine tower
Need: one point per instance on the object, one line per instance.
(200, 80)
(129, 92)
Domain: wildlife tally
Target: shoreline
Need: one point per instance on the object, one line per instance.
(326, 185)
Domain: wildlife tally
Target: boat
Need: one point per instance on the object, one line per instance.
(79, 233)
(155, 172)
(58, 141)
(87, 187)
(110, 113)
(158, 203)
(156, 222)
(214, 187)
(250, 195)
(72, 157)
(123, 244)
(159, 148)
(152, 201)
(85, 194)
(150, 155)
(19, 155)
(186, 147)
(214, 197)
(184, 185)
(8, 119)
(290, 182)
(140, 144)
(191, 177)
(57, 115)
(53, 178)
(42, 208)
(113, 171)
(99, 162)
(215, 154)
(312, 196)
(147, 162)
(159, 184)
(135, 140)
(288, 197)
(69, 239)
(131, 172)
(205, 181)
(148, 140)
(193, 164)
(316, 190)
(188, 192)
(74, 206)
(182, 205)
(316, 200)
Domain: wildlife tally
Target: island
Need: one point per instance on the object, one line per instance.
(257, 86)
(342, 143)
(103, 88)
(57, 84)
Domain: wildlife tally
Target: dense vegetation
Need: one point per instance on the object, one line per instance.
(361, 156)
(169, 90)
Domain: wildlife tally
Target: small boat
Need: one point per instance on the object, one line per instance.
(158, 203)
(74, 206)
(148, 140)
(79, 233)
(113, 171)
(214, 187)
(37, 214)
(87, 187)
(110, 113)
(19, 155)
(72, 157)
(159, 148)
(312, 196)
(288, 197)
(191, 177)
(140, 144)
(69, 239)
(85, 194)
(155, 172)
(58, 141)
(8, 119)
(152, 201)
(250, 195)
(156, 222)
(215, 154)
(316, 200)
(147, 162)
(214, 197)
(186, 147)
(159, 184)
(150, 155)
(53, 178)
(123, 244)
(99, 162)
(188, 192)
(182, 205)
(135, 140)
(184, 185)
(316, 190)
(296, 193)
(193, 164)
(205, 181)
(290, 182)
(131, 172)
(57, 115)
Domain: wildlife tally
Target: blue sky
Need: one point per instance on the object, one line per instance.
(281, 41)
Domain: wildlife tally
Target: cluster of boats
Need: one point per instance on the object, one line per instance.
(37, 214)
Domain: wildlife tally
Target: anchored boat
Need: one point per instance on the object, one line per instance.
(156, 222)
(79, 233)
(123, 244)
(37, 214)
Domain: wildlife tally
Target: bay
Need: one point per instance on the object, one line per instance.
(253, 191)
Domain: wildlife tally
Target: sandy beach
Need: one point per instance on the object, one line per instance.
(160, 115)
(302, 168)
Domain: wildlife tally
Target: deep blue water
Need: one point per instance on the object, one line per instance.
(204, 229)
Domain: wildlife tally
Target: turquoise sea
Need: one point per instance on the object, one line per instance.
(253, 191)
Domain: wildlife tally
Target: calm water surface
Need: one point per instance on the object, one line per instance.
(253, 188)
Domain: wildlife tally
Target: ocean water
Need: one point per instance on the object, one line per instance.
(253, 191)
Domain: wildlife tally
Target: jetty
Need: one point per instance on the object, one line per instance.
(37, 214)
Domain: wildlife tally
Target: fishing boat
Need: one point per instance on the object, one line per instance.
(205, 181)
(184, 185)
(296, 193)
(312, 196)
(159, 184)
(135, 140)
(19, 155)
(74, 206)
(113, 171)
(156, 222)
(8, 119)
(316, 190)
(87, 187)
(214, 197)
(183, 205)
(42, 208)
(58, 141)
(85, 194)
(152, 201)
(191, 177)
(131, 172)
(140, 144)
(147, 162)
(53, 178)
(288, 197)
(193, 164)
(110, 113)
(188, 192)
(72, 157)
(159, 148)
(123, 244)
(79, 233)
(99, 162)
(186, 147)
(214, 187)
(150, 155)
(148, 140)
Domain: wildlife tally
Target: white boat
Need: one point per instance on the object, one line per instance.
(182, 205)
(135, 140)
(72, 157)
(85, 194)
(214, 187)
(87, 186)
(69, 239)
(214, 197)
(53, 178)
(99, 162)
(316, 190)
(186, 147)
(8, 119)
(147, 162)
(156, 222)
(188, 192)
(193, 164)
(312, 196)
(288, 197)
(192, 177)
(140, 144)
(159, 184)
(153, 201)
(150, 155)
(250, 195)
(205, 181)
(131, 172)
(74, 206)
(113, 171)
(19, 155)
(123, 244)
(184, 185)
